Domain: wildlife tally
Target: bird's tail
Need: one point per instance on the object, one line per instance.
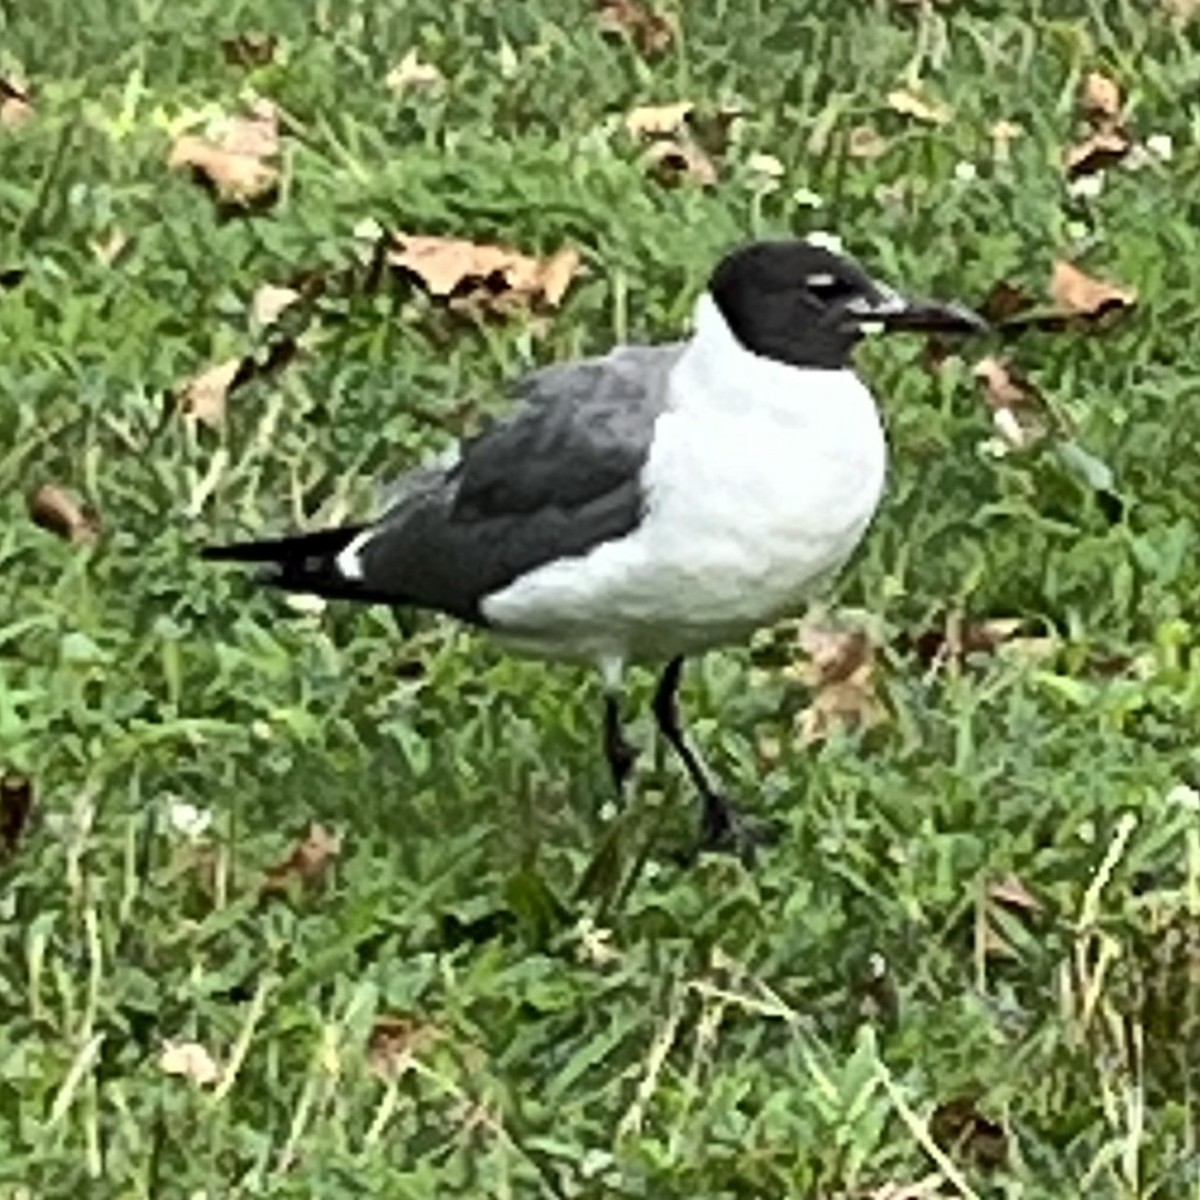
(305, 562)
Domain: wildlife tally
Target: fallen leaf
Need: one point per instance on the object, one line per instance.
(958, 1126)
(1080, 294)
(1012, 893)
(307, 864)
(1014, 403)
(834, 653)
(190, 1060)
(556, 274)
(1003, 386)
(16, 804)
(411, 74)
(1107, 141)
(55, 509)
(958, 639)
(255, 48)
(650, 32)
(910, 104)
(394, 1042)
(269, 301)
(496, 277)
(841, 670)
(672, 162)
(1004, 301)
(866, 142)
(16, 107)
(204, 397)
(237, 158)
(658, 120)
(1100, 149)
(1101, 99)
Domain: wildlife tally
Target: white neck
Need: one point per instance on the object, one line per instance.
(717, 373)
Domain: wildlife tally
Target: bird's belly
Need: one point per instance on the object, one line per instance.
(730, 540)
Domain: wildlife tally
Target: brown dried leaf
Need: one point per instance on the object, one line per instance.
(269, 301)
(308, 863)
(957, 1126)
(394, 1042)
(411, 74)
(835, 654)
(1101, 99)
(866, 142)
(650, 32)
(498, 277)
(1014, 402)
(658, 120)
(1012, 893)
(556, 275)
(672, 162)
(55, 509)
(1100, 149)
(910, 104)
(1003, 385)
(16, 107)
(16, 804)
(959, 639)
(237, 159)
(190, 1060)
(254, 48)
(851, 704)
(1005, 300)
(204, 397)
(1080, 294)
(841, 669)
(956, 639)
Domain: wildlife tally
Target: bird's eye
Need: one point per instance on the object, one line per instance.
(827, 287)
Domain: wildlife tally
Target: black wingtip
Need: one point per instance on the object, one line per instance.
(244, 552)
(304, 562)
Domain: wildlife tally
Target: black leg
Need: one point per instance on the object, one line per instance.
(620, 754)
(721, 827)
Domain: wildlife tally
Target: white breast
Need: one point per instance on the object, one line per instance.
(761, 480)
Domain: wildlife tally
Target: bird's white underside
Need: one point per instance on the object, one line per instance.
(761, 480)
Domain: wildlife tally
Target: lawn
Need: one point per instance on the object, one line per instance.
(304, 901)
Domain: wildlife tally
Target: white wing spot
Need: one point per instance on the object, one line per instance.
(349, 561)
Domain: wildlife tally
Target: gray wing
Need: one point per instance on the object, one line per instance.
(559, 476)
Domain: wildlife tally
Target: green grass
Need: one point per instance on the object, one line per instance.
(831, 1024)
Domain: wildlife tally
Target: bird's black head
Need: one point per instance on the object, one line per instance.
(805, 305)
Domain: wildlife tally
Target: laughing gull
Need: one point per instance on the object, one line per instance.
(651, 503)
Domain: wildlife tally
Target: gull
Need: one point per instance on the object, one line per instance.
(652, 503)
